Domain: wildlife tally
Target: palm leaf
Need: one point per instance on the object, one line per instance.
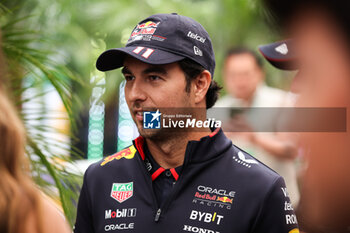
(28, 57)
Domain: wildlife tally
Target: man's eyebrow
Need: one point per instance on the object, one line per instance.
(125, 70)
(155, 69)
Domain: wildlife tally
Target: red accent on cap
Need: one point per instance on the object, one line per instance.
(157, 173)
(175, 175)
(139, 146)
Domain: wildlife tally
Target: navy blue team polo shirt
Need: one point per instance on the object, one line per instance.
(219, 189)
(163, 179)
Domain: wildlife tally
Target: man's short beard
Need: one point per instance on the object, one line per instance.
(160, 135)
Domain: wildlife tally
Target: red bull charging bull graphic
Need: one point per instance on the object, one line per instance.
(127, 153)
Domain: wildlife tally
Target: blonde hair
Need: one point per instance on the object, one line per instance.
(19, 198)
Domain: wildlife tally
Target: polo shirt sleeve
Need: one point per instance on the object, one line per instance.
(84, 222)
(277, 214)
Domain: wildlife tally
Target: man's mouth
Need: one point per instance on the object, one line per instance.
(139, 115)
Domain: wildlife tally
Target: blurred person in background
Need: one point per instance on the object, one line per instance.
(321, 51)
(244, 77)
(23, 209)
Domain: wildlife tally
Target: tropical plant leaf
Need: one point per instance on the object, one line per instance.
(29, 58)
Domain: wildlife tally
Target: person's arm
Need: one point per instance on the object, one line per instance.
(276, 214)
(280, 145)
(51, 219)
(84, 220)
(54, 219)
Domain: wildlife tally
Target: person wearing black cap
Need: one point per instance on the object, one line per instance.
(180, 180)
(319, 50)
(280, 54)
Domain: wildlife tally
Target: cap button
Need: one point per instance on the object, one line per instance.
(174, 13)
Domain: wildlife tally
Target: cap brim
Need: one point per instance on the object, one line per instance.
(114, 58)
(280, 55)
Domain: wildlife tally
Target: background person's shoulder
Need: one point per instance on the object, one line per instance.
(54, 219)
(51, 219)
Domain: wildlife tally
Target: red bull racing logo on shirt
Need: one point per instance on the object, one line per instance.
(122, 191)
(225, 199)
(214, 197)
(127, 153)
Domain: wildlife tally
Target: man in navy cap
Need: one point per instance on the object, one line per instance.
(191, 178)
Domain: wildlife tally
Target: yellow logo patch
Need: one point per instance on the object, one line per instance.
(127, 153)
(295, 230)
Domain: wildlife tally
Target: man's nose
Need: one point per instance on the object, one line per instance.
(136, 91)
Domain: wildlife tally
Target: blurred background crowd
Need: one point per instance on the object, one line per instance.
(74, 115)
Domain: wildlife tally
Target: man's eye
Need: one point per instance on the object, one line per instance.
(128, 77)
(154, 77)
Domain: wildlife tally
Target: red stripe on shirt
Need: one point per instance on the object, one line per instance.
(214, 132)
(175, 175)
(157, 173)
(139, 146)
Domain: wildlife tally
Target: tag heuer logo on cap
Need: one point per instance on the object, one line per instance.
(282, 49)
(122, 191)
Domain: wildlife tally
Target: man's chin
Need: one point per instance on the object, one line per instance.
(156, 134)
(146, 133)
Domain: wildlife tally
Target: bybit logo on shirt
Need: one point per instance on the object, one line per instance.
(206, 217)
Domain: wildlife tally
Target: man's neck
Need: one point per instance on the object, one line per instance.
(171, 153)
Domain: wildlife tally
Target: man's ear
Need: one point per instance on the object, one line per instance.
(200, 86)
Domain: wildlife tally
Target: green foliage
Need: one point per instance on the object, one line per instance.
(75, 27)
(28, 59)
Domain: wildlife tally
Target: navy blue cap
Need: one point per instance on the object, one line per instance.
(280, 54)
(163, 39)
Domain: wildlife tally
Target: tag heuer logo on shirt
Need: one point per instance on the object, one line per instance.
(122, 191)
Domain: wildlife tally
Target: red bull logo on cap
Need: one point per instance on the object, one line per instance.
(148, 24)
(143, 31)
(127, 153)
